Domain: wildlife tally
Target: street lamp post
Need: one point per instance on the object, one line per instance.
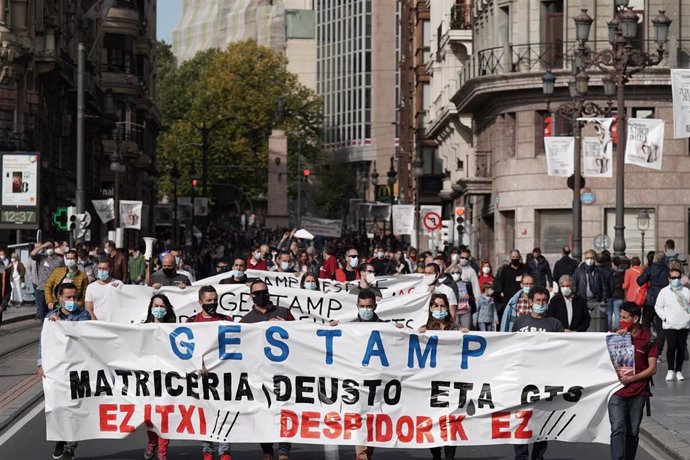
(619, 63)
(392, 177)
(417, 173)
(374, 185)
(643, 225)
(175, 177)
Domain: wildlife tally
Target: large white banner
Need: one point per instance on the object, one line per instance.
(680, 87)
(560, 153)
(128, 304)
(353, 384)
(598, 151)
(130, 214)
(645, 142)
(403, 219)
(324, 227)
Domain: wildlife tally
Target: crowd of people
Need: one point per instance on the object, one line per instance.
(650, 302)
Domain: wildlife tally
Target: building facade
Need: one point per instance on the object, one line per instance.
(286, 26)
(488, 116)
(38, 97)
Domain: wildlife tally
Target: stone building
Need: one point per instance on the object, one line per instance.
(38, 99)
(488, 114)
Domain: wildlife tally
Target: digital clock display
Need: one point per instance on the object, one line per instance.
(18, 217)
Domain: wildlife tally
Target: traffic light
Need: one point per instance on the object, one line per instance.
(460, 219)
(71, 217)
(195, 183)
(548, 126)
(306, 173)
(446, 232)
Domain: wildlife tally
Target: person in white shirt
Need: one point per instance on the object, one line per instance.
(673, 307)
(432, 277)
(96, 292)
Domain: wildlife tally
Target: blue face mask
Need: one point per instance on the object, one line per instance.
(70, 305)
(439, 314)
(103, 276)
(237, 274)
(365, 313)
(310, 285)
(675, 284)
(539, 309)
(285, 265)
(525, 290)
(158, 312)
(177, 261)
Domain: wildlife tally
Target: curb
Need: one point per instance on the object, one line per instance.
(19, 318)
(664, 439)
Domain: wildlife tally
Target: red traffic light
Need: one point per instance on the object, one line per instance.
(195, 182)
(306, 173)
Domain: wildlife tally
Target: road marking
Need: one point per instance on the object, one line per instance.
(19, 424)
(331, 452)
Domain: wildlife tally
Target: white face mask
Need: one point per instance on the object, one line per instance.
(454, 257)
(589, 262)
(456, 277)
(486, 270)
(429, 279)
(566, 291)
(370, 278)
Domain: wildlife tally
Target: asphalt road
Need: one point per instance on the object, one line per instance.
(26, 441)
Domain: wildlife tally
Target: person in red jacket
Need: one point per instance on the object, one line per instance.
(330, 263)
(256, 261)
(350, 272)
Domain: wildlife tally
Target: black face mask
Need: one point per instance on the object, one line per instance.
(210, 308)
(261, 298)
(169, 272)
(515, 262)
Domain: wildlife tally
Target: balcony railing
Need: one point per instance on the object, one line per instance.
(461, 17)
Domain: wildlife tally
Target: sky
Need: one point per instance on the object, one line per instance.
(169, 12)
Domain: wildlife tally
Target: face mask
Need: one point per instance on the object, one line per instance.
(13, 260)
(439, 314)
(70, 305)
(50, 252)
(489, 292)
(158, 312)
(177, 261)
(365, 313)
(675, 284)
(455, 276)
(626, 324)
(354, 261)
(169, 272)
(380, 255)
(257, 256)
(261, 299)
(237, 274)
(539, 309)
(454, 257)
(464, 262)
(370, 278)
(284, 265)
(310, 285)
(515, 262)
(566, 291)
(589, 262)
(429, 279)
(486, 270)
(103, 276)
(210, 308)
(525, 290)
(71, 263)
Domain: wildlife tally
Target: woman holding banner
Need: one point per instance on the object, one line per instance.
(160, 311)
(310, 282)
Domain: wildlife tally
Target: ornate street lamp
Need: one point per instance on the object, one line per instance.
(643, 225)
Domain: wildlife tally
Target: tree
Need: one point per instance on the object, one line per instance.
(234, 94)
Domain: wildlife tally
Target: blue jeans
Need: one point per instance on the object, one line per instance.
(625, 415)
(208, 446)
(613, 312)
(538, 450)
(41, 305)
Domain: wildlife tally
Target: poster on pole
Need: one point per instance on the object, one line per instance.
(324, 227)
(645, 142)
(20, 194)
(130, 214)
(680, 87)
(598, 151)
(403, 219)
(560, 153)
(105, 209)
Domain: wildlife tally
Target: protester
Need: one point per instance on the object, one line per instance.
(5, 288)
(264, 310)
(589, 282)
(367, 280)
(508, 280)
(630, 286)
(284, 263)
(518, 305)
(432, 277)
(349, 271)
(469, 274)
(486, 316)
(237, 275)
(540, 270)
(310, 282)
(168, 275)
(67, 309)
(486, 273)
(256, 261)
(137, 266)
(569, 308)
(330, 263)
(119, 261)
(411, 259)
(464, 296)
(17, 273)
(96, 292)
(86, 265)
(566, 265)
(46, 261)
(672, 306)
(160, 310)
(382, 266)
(627, 404)
(656, 275)
(222, 266)
(670, 254)
(68, 274)
(617, 293)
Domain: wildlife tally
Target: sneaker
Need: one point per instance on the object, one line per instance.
(68, 453)
(150, 451)
(59, 450)
(225, 456)
(670, 375)
(679, 376)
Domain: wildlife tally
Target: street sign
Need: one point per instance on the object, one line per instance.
(19, 191)
(432, 221)
(588, 197)
(60, 219)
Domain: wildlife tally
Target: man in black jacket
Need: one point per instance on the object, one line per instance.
(569, 308)
(540, 270)
(566, 265)
(508, 280)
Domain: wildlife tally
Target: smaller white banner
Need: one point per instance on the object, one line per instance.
(403, 219)
(645, 142)
(105, 209)
(324, 227)
(130, 214)
(560, 153)
(680, 87)
(598, 151)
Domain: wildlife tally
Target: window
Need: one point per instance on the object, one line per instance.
(633, 236)
(432, 162)
(555, 229)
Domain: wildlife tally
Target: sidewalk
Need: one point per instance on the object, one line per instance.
(668, 429)
(15, 314)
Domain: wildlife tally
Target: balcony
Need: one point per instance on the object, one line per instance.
(461, 17)
(459, 29)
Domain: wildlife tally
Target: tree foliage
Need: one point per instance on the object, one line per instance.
(234, 94)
